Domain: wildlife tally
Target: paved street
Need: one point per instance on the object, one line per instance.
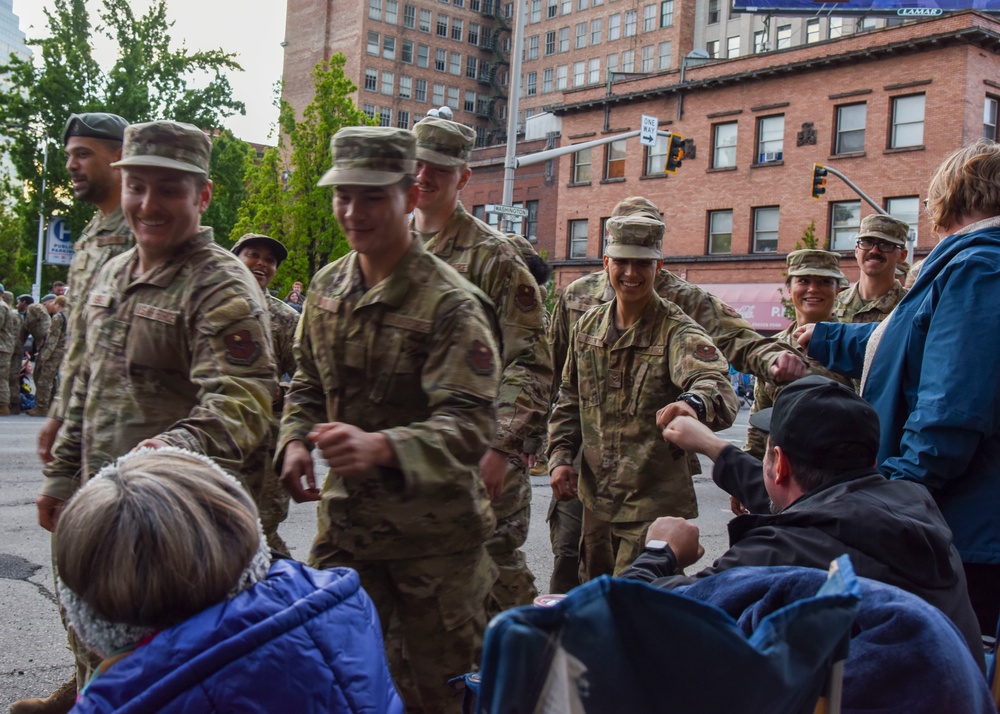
(33, 655)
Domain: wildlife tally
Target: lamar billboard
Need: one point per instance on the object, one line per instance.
(904, 8)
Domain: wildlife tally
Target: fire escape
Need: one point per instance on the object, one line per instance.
(494, 65)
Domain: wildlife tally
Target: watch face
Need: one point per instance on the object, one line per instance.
(656, 545)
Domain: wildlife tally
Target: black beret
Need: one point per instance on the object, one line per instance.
(97, 125)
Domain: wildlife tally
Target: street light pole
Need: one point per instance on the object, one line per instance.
(36, 289)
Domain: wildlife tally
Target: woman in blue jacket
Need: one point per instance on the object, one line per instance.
(932, 371)
(164, 572)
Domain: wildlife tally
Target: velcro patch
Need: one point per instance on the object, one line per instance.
(730, 311)
(111, 240)
(407, 322)
(526, 297)
(329, 304)
(159, 314)
(480, 358)
(100, 299)
(241, 349)
(706, 353)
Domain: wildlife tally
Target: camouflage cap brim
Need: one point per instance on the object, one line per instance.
(162, 162)
(819, 272)
(632, 252)
(431, 156)
(879, 235)
(361, 177)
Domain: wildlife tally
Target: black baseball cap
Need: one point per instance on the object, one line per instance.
(96, 125)
(823, 423)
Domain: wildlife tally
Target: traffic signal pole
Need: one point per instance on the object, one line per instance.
(856, 190)
(540, 156)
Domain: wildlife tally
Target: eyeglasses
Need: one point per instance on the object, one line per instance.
(883, 245)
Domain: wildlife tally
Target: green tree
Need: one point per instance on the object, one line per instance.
(810, 241)
(283, 199)
(230, 157)
(148, 80)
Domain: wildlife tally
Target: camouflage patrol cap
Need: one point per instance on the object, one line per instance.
(636, 206)
(370, 156)
(442, 142)
(822, 263)
(884, 227)
(96, 125)
(635, 237)
(279, 250)
(168, 145)
(8, 297)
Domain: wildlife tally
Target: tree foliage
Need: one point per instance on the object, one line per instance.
(150, 79)
(284, 199)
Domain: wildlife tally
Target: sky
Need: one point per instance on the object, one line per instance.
(253, 29)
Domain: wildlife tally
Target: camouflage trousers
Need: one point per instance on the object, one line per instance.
(46, 374)
(5, 362)
(564, 519)
(273, 507)
(436, 608)
(607, 547)
(515, 584)
(14, 379)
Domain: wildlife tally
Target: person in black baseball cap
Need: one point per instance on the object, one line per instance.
(95, 125)
(816, 496)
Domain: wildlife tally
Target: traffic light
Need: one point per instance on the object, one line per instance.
(819, 181)
(675, 153)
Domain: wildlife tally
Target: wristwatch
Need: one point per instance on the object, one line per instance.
(695, 402)
(656, 546)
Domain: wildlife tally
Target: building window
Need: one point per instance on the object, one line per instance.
(442, 25)
(770, 136)
(631, 17)
(720, 232)
(388, 83)
(409, 17)
(615, 160)
(485, 34)
(374, 42)
(551, 8)
(471, 66)
(612, 62)
(403, 119)
(582, 4)
(760, 41)
(579, 73)
(647, 58)
(990, 119)
(656, 156)
(836, 27)
(371, 80)
(405, 87)
(566, 7)
(536, 10)
(712, 47)
(614, 27)
(420, 91)
(784, 36)
(550, 42)
(713, 11)
(562, 76)
(375, 9)
(385, 116)
(594, 70)
(907, 121)
(389, 47)
(453, 98)
(564, 39)
(578, 239)
(470, 102)
(391, 11)
(663, 55)
(457, 29)
(850, 128)
(667, 13)
(547, 80)
(369, 109)
(724, 145)
(733, 46)
(531, 222)
(423, 55)
(581, 35)
(595, 31)
(438, 95)
(406, 52)
(628, 61)
(765, 230)
(440, 60)
(812, 31)
(531, 84)
(533, 47)
(581, 166)
(474, 34)
(906, 209)
(425, 21)
(844, 225)
(455, 64)
(865, 23)
(648, 18)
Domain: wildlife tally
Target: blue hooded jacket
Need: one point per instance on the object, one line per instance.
(935, 384)
(302, 640)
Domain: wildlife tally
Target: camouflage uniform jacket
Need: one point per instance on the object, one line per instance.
(55, 341)
(765, 392)
(492, 263)
(102, 239)
(851, 307)
(745, 349)
(413, 358)
(611, 390)
(284, 320)
(181, 353)
(10, 328)
(35, 324)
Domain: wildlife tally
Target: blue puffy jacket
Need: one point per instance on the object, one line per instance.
(301, 641)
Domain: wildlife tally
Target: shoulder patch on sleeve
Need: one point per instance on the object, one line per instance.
(241, 348)
(729, 310)
(526, 297)
(706, 353)
(480, 358)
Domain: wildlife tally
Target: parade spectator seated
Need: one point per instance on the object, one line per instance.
(164, 572)
(816, 496)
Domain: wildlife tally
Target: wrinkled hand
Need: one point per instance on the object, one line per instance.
(736, 507)
(350, 451)
(563, 482)
(788, 368)
(46, 438)
(673, 410)
(297, 463)
(691, 435)
(49, 509)
(804, 335)
(681, 536)
(493, 467)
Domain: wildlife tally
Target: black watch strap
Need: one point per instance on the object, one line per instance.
(695, 402)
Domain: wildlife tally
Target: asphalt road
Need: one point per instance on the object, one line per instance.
(34, 659)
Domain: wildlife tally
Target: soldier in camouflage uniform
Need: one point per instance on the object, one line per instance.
(813, 280)
(746, 350)
(397, 373)
(880, 248)
(92, 142)
(494, 265)
(178, 350)
(35, 323)
(51, 354)
(636, 363)
(263, 255)
(10, 326)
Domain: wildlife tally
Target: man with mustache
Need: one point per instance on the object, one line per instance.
(881, 246)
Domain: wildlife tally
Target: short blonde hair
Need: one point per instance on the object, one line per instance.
(156, 537)
(966, 183)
